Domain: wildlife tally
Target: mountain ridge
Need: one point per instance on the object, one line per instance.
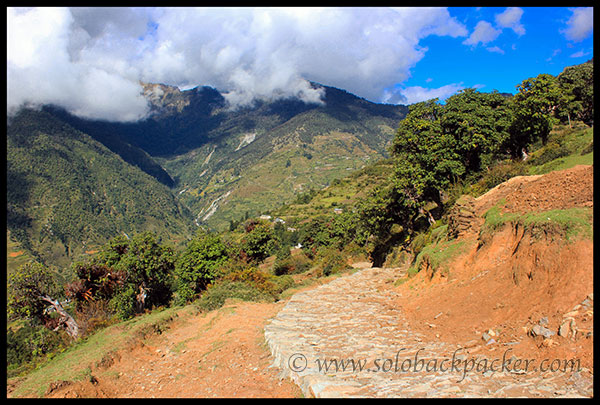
(194, 142)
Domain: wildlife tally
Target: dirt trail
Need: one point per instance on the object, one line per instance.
(217, 354)
(513, 281)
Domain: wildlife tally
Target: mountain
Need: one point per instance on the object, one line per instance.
(73, 183)
(67, 193)
(225, 162)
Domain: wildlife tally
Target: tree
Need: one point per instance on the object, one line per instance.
(533, 106)
(94, 282)
(32, 289)
(425, 155)
(197, 266)
(258, 242)
(148, 267)
(577, 85)
(478, 123)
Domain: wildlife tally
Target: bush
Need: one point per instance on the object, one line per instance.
(258, 243)
(331, 261)
(28, 344)
(282, 283)
(551, 151)
(94, 315)
(198, 265)
(123, 304)
(498, 174)
(215, 295)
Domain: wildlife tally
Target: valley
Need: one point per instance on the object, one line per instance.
(194, 252)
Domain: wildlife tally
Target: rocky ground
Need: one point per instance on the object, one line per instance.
(353, 319)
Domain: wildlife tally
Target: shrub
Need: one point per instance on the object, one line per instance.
(28, 344)
(331, 261)
(499, 173)
(553, 150)
(215, 295)
(258, 243)
(282, 283)
(198, 265)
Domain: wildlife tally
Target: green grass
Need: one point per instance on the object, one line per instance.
(571, 146)
(563, 163)
(439, 255)
(77, 362)
(569, 223)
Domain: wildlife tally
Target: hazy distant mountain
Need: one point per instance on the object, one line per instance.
(67, 193)
(74, 183)
(223, 162)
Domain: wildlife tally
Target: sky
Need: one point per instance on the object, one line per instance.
(91, 60)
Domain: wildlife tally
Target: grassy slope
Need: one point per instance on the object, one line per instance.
(575, 149)
(67, 193)
(76, 363)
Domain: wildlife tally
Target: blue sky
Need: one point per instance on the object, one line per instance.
(539, 45)
(91, 60)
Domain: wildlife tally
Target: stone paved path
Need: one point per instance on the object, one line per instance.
(349, 319)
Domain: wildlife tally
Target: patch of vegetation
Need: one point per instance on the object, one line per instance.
(67, 193)
(438, 255)
(569, 223)
(76, 362)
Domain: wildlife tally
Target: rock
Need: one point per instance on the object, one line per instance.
(565, 329)
(539, 330)
(486, 337)
(461, 216)
(543, 321)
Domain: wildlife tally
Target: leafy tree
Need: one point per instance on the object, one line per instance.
(477, 124)
(197, 266)
(425, 155)
(258, 242)
(148, 267)
(32, 289)
(534, 107)
(577, 85)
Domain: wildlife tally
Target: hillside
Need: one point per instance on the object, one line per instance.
(520, 278)
(225, 163)
(526, 260)
(67, 193)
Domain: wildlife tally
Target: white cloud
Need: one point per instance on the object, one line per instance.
(511, 18)
(579, 54)
(90, 60)
(415, 94)
(495, 49)
(484, 32)
(41, 70)
(580, 25)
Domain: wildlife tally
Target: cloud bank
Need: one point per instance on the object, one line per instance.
(91, 60)
(580, 25)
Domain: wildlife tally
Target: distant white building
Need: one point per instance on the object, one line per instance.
(265, 217)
